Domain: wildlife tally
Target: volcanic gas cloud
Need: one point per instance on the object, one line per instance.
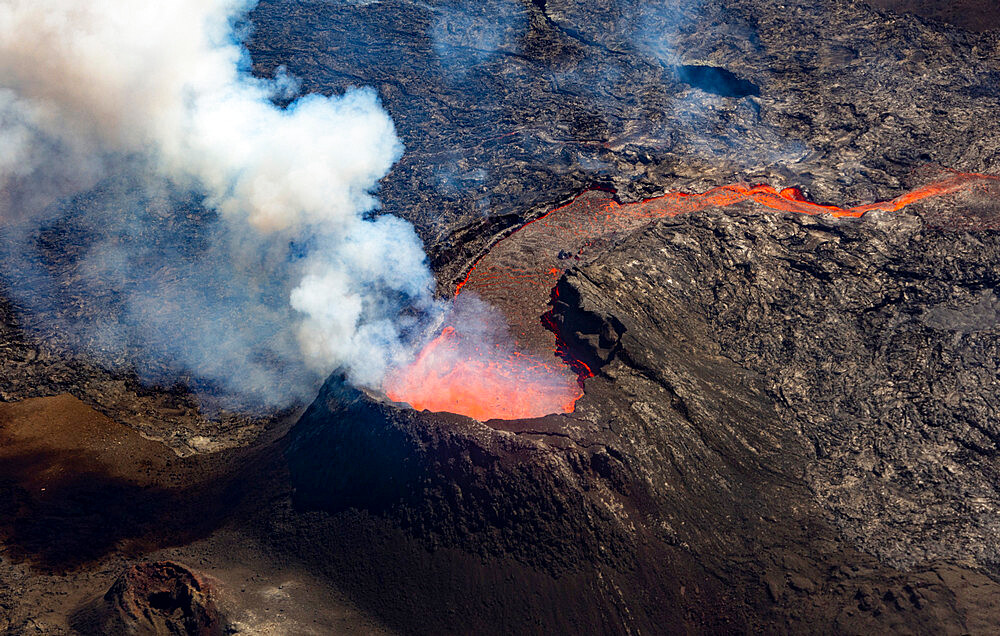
(472, 371)
(243, 250)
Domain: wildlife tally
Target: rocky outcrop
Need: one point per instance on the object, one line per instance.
(160, 597)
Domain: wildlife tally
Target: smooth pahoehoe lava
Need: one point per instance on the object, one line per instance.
(528, 374)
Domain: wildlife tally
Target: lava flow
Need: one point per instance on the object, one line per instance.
(484, 381)
(459, 372)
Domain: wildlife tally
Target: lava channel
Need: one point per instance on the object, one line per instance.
(530, 376)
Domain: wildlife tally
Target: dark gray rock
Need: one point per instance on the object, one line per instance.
(877, 341)
(507, 107)
(790, 418)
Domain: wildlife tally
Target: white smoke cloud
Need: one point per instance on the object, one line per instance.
(89, 86)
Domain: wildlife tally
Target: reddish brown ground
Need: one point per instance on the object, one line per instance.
(79, 484)
(82, 497)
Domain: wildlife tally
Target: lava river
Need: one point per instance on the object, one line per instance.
(524, 375)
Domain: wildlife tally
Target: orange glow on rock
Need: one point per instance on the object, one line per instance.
(485, 383)
(527, 378)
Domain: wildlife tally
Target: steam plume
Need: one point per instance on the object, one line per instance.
(143, 102)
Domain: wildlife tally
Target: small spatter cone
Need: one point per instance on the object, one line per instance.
(162, 597)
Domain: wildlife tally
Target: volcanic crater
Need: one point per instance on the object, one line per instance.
(682, 406)
(464, 373)
(703, 330)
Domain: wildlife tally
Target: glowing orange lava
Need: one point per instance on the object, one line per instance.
(493, 382)
(526, 378)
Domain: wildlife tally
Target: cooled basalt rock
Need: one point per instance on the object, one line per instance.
(876, 339)
(507, 107)
(966, 14)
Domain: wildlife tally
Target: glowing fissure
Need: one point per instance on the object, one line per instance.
(530, 377)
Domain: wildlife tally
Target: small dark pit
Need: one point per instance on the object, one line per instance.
(165, 602)
(715, 80)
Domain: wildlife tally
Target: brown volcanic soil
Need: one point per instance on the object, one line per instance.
(78, 484)
(83, 496)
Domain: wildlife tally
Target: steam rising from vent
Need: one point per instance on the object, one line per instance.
(139, 104)
(472, 367)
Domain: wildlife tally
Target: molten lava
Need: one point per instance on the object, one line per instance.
(459, 373)
(482, 381)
